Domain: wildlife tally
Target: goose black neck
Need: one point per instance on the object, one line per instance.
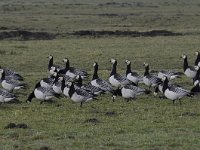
(37, 85)
(80, 81)
(165, 85)
(185, 64)
(197, 75)
(197, 59)
(71, 90)
(67, 65)
(128, 70)
(62, 85)
(3, 75)
(50, 63)
(31, 96)
(146, 71)
(95, 74)
(114, 69)
(56, 79)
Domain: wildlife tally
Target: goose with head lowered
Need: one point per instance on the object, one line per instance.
(78, 95)
(174, 93)
(98, 82)
(42, 93)
(132, 76)
(129, 92)
(6, 96)
(12, 74)
(150, 80)
(116, 79)
(197, 59)
(189, 71)
(9, 84)
(73, 72)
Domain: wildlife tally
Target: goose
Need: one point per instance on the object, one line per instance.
(174, 93)
(6, 96)
(12, 74)
(48, 82)
(88, 87)
(197, 59)
(116, 79)
(64, 88)
(169, 74)
(57, 85)
(73, 72)
(78, 95)
(129, 92)
(50, 64)
(189, 71)
(10, 84)
(197, 77)
(196, 88)
(132, 76)
(42, 93)
(150, 80)
(98, 82)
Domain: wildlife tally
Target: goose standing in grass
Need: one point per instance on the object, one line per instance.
(42, 93)
(197, 59)
(51, 64)
(169, 74)
(132, 76)
(9, 84)
(78, 95)
(150, 80)
(174, 93)
(88, 87)
(48, 82)
(73, 72)
(98, 82)
(12, 74)
(116, 79)
(129, 92)
(189, 71)
(6, 96)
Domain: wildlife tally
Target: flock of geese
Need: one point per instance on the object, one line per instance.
(68, 81)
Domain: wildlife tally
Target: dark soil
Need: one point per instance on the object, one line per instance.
(13, 125)
(92, 120)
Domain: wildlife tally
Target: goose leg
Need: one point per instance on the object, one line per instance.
(81, 104)
(41, 102)
(180, 102)
(173, 102)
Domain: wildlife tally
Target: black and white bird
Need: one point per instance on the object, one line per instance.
(42, 93)
(169, 74)
(197, 77)
(78, 95)
(88, 87)
(196, 89)
(73, 72)
(57, 83)
(12, 74)
(9, 84)
(174, 93)
(100, 83)
(6, 96)
(129, 92)
(189, 71)
(49, 81)
(132, 76)
(51, 64)
(150, 80)
(197, 59)
(116, 79)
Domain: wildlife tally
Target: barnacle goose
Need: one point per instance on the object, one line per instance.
(174, 93)
(78, 95)
(197, 59)
(132, 76)
(129, 92)
(50, 64)
(6, 96)
(73, 72)
(12, 74)
(57, 85)
(42, 93)
(169, 74)
(10, 84)
(189, 71)
(64, 88)
(98, 82)
(48, 82)
(150, 80)
(196, 89)
(116, 79)
(88, 87)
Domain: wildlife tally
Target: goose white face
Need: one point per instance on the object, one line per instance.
(77, 77)
(69, 84)
(1, 70)
(53, 68)
(196, 67)
(65, 60)
(50, 56)
(199, 64)
(94, 64)
(183, 56)
(145, 64)
(196, 53)
(54, 74)
(112, 61)
(164, 78)
(196, 82)
(60, 78)
(128, 62)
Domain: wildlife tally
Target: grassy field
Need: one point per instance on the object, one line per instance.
(145, 123)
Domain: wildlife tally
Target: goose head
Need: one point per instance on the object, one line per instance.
(113, 61)
(196, 67)
(196, 53)
(50, 57)
(65, 60)
(198, 64)
(128, 62)
(145, 64)
(184, 56)
(60, 78)
(95, 64)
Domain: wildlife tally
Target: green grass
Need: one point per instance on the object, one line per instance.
(145, 123)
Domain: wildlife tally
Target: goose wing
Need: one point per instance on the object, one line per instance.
(122, 79)
(154, 79)
(104, 85)
(6, 94)
(135, 88)
(78, 71)
(83, 93)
